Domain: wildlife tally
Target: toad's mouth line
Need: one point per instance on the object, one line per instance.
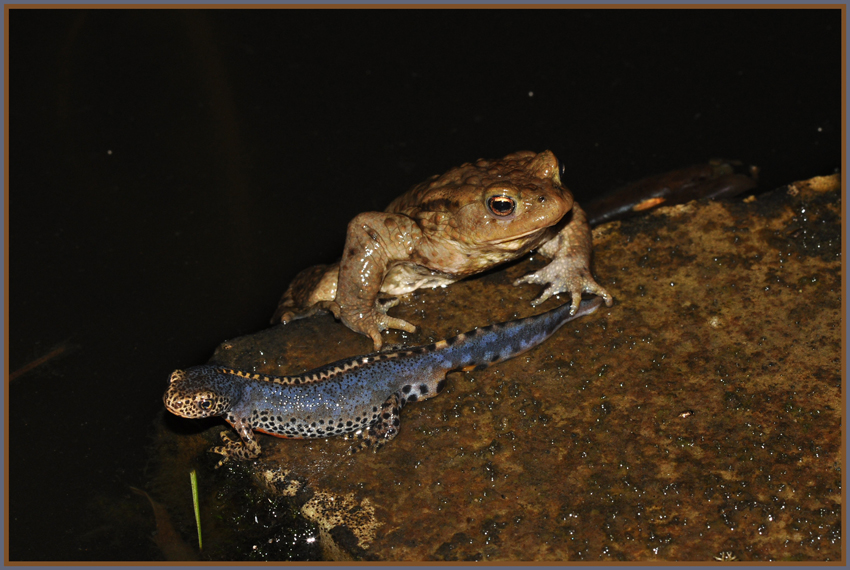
(517, 236)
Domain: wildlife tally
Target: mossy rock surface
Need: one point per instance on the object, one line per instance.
(697, 418)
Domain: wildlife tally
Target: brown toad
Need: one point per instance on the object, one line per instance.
(466, 221)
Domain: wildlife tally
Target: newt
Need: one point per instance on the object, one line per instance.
(360, 397)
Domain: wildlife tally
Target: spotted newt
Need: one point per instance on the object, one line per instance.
(361, 396)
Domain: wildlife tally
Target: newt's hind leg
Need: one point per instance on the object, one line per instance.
(383, 430)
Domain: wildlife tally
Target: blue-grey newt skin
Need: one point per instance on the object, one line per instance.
(361, 395)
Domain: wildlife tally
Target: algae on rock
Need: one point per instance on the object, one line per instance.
(698, 417)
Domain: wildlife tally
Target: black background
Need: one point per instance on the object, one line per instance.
(172, 170)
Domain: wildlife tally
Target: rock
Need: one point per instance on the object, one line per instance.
(698, 417)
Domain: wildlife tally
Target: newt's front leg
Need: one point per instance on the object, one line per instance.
(246, 448)
(569, 270)
(374, 241)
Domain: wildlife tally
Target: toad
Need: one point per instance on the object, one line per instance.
(473, 217)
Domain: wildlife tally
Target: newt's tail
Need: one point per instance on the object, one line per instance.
(495, 343)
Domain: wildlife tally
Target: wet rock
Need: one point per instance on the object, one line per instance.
(699, 417)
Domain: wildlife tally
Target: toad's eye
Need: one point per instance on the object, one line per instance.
(501, 205)
(205, 404)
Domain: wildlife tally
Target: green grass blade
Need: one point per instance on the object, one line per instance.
(193, 477)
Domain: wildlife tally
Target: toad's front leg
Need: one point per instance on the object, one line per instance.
(569, 270)
(373, 243)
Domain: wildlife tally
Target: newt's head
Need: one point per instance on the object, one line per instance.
(197, 393)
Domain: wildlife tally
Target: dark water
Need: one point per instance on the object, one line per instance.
(170, 171)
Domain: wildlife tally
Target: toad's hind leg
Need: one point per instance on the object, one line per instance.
(383, 430)
(310, 287)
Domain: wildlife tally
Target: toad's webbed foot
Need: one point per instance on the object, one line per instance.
(371, 321)
(564, 275)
